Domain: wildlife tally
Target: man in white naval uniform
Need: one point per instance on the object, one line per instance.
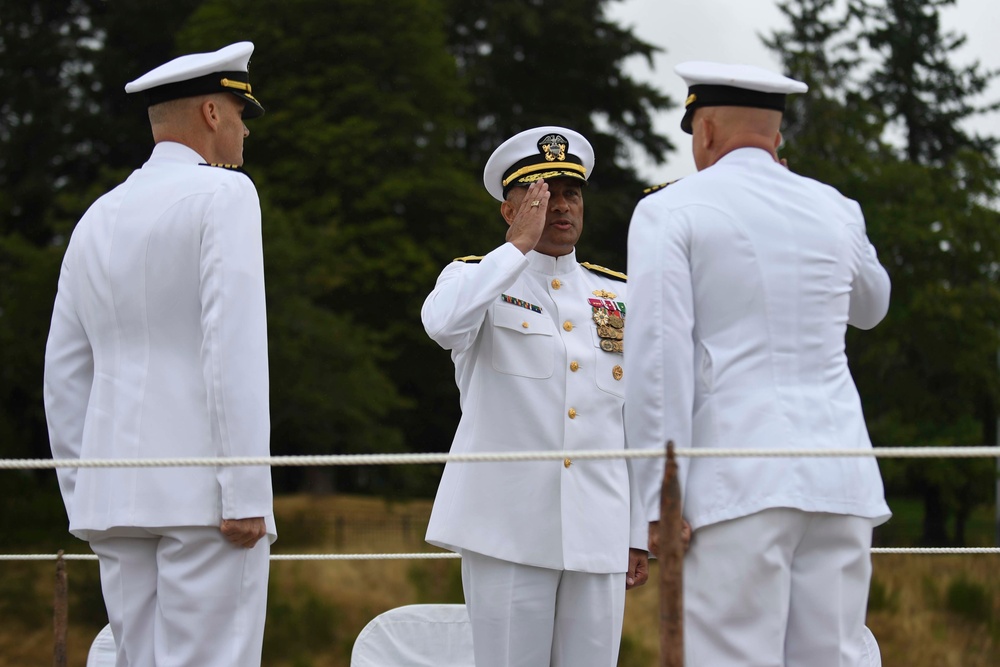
(158, 348)
(548, 547)
(744, 277)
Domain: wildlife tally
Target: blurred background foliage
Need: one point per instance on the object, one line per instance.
(369, 161)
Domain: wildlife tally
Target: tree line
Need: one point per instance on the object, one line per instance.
(369, 161)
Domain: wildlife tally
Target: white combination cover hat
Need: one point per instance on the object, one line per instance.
(720, 84)
(549, 151)
(222, 71)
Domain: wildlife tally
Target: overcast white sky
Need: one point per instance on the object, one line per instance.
(729, 31)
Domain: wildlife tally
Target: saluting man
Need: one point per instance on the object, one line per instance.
(158, 348)
(548, 547)
(745, 277)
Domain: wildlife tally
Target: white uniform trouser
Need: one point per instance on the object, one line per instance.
(779, 588)
(183, 597)
(524, 616)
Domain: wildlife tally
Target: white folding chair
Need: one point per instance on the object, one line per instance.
(102, 650)
(418, 635)
(872, 656)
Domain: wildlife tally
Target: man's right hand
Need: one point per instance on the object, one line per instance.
(243, 532)
(527, 221)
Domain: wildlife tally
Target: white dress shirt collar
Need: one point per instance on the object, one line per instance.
(746, 154)
(171, 151)
(551, 266)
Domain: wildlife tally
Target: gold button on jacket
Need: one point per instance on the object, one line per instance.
(556, 284)
(567, 462)
(567, 325)
(574, 366)
(572, 413)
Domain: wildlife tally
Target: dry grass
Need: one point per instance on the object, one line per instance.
(909, 615)
(919, 624)
(926, 611)
(27, 589)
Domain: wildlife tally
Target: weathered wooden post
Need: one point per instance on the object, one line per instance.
(671, 559)
(60, 611)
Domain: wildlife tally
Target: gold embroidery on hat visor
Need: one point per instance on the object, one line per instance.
(569, 166)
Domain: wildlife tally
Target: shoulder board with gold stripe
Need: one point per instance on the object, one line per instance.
(469, 259)
(656, 188)
(230, 167)
(608, 272)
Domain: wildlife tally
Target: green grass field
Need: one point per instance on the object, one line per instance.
(926, 611)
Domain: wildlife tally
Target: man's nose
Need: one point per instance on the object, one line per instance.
(558, 203)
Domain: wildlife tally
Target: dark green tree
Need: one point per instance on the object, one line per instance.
(362, 190)
(66, 135)
(927, 374)
(918, 83)
(368, 163)
(948, 333)
(528, 63)
(45, 83)
(367, 150)
(38, 154)
(820, 48)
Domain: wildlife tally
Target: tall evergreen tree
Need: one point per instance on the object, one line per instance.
(948, 336)
(560, 63)
(368, 162)
(64, 118)
(65, 136)
(918, 82)
(40, 99)
(44, 91)
(361, 189)
(927, 374)
(67, 133)
(821, 49)
(366, 151)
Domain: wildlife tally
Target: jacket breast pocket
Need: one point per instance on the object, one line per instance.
(523, 342)
(608, 367)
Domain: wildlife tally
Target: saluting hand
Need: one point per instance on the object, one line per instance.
(526, 216)
(243, 532)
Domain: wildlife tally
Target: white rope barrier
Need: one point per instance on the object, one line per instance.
(401, 459)
(274, 557)
(923, 551)
(30, 557)
(936, 551)
(412, 556)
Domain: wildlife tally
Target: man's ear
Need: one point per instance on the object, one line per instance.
(210, 112)
(778, 140)
(707, 130)
(507, 211)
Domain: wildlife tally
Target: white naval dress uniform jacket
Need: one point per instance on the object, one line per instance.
(514, 366)
(744, 278)
(158, 348)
